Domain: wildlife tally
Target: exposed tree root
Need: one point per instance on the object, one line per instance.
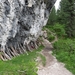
(11, 51)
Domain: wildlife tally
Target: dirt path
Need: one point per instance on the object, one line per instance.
(53, 67)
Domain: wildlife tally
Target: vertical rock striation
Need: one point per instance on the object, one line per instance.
(21, 22)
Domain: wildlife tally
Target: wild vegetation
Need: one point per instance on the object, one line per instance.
(64, 50)
(66, 16)
(62, 24)
(22, 65)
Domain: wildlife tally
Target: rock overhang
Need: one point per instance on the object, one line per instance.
(21, 22)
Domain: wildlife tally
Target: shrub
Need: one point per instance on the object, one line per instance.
(51, 38)
(59, 29)
(64, 50)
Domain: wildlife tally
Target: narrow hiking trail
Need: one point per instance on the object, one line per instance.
(52, 67)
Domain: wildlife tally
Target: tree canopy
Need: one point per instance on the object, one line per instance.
(66, 15)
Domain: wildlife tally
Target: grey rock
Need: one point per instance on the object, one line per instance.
(21, 21)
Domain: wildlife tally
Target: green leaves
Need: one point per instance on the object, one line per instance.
(52, 17)
(64, 51)
(59, 29)
(66, 15)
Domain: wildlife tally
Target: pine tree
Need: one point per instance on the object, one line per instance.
(67, 16)
(52, 17)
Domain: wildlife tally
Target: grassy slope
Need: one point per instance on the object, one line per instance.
(64, 48)
(20, 65)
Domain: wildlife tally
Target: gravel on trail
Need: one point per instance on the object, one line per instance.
(52, 67)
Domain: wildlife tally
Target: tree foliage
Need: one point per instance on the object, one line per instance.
(52, 17)
(66, 15)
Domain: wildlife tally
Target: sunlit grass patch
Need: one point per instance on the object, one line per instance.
(21, 65)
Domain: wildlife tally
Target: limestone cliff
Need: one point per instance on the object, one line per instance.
(21, 22)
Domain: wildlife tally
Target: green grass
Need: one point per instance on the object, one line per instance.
(64, 50)
(58, 29)
(51, 38)
(21, 65)
(43, 59)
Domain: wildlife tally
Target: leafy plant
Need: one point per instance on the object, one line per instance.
(64, 50)
(51, 38)
(59, 29)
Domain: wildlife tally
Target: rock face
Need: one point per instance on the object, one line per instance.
(21, 22)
